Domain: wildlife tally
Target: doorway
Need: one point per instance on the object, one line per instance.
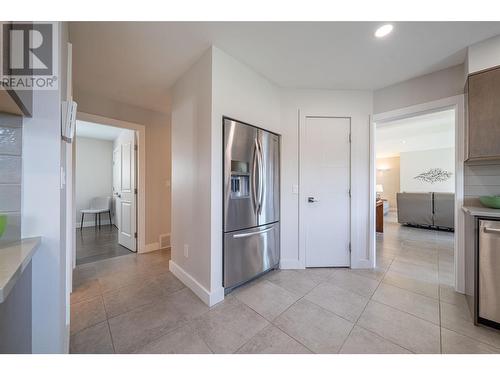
(105, 192)
(325, 189)
(416, 185)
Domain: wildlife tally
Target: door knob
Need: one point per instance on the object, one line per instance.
(311, 199)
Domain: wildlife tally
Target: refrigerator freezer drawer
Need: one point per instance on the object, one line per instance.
(489, 270)
(249, 252)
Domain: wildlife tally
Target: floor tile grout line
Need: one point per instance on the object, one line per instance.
(182, 325)
(255, 311)
(143, 305)
(473, 339)
(406, 312)
(189, 323)
(301, 298)
(130, 310)
(410, 291)
(247, 341)
(439, 310)
(86, 299)
(470, 337)
(321, 307)
(288, 308)
(294, 339)
(111, 336)
(87, 327)
(107, 323)
(94, 324)
(101, 295)
(353, 323)
(364, 308)
(439, 291)
(315, 304)
(330, 278)
(385, 338)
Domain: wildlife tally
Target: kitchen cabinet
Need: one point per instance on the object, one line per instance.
(483, 115)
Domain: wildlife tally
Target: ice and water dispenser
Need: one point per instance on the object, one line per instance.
(240, 179)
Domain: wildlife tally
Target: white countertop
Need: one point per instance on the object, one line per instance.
(13, 260)
(482, 211)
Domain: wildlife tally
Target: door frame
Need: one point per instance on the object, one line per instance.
(140, 131)
(456, 103)
(302, 202)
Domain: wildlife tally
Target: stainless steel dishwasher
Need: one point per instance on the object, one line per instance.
(489, 273)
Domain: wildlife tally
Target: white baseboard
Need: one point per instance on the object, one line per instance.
(290, 264)
(209, 298)
(66, 339)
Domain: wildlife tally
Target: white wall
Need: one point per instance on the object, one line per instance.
(94, 173)
(219, 85)
(416, 162)
(43, 212)
(388, 176)
(242, 94)
(158, 154)
(354, 104)
(441, 84)
(191, 175)
(483, 55)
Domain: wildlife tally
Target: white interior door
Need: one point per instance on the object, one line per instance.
(126, 202)
(117, 156)
(325, 191)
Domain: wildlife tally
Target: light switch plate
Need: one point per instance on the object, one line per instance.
(295, 189)
(63, 178)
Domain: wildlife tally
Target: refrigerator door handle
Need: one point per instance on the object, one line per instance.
(491, 230)
(261, 176)
(241, 235)
(254, 172)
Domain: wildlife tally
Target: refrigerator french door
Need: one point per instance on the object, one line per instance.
(251, 202)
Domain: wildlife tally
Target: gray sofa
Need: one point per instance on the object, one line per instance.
(436, 210)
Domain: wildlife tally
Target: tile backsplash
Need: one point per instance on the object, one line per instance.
(481, 178)
(10, 177)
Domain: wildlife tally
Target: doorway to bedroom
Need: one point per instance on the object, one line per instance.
(415, 172)
(105, 192)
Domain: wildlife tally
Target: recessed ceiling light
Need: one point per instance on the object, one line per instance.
(384, 30)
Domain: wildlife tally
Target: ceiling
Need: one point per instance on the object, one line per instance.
(137, 62)
(97, 131)
(419, 133)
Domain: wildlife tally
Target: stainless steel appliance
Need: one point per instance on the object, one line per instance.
(489, 273)
(251, 202)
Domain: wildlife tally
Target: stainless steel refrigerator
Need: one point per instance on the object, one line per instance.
(251, 202)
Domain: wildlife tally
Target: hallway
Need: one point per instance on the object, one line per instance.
(133, 304)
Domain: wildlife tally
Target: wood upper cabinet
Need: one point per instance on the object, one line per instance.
(483, 115)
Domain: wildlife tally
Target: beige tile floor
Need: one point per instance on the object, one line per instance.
(133, 304)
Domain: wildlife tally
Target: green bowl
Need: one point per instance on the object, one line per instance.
(3, 224)
(492, 201)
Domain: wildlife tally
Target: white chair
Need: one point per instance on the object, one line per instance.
(98, 205)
